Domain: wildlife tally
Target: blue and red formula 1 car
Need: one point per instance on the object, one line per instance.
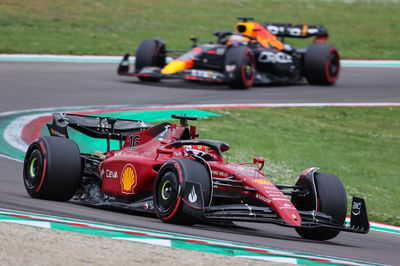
(164, 169)
(252, 54)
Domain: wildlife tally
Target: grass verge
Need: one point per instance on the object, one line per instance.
(360, 29)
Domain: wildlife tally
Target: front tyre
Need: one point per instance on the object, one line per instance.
(332, 200)
(150, 53)
(321, 64)
(169, 187)
(52, 169)
(239, 67)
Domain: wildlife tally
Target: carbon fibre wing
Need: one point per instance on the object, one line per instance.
(95, 127)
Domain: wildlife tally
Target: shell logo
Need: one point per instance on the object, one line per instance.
(261, 181)
(128, 179)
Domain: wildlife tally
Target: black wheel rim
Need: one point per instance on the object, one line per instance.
(34, 169)
(333, 64)
(167, 192)
(248, 68)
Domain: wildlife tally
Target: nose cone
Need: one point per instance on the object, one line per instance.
(176, 66)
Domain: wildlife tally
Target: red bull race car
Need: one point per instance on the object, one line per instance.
(252, 54)
(165, 169)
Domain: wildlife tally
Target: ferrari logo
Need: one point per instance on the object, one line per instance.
(128, 179)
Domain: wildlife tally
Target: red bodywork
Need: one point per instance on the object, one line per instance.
(133, 168)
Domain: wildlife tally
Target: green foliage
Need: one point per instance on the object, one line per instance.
(360, 29)
(359, 144)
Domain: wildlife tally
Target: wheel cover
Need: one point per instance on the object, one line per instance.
(248, 69)
(332, 66)
(33, 173)
(167, 192)
(33, 167)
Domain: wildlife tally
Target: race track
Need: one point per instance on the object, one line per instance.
(26, 85)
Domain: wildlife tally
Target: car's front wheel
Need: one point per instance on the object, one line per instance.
(150, 53)
(332, 200)
(169, 189)
(239, 67)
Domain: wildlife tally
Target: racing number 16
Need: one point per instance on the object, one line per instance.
(134, 142)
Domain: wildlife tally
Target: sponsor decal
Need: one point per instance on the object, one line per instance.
(219, 173)
(261, 181)
(128, 179)
(202, 74)
(261, 197)
(192, 196)
(286, 207)
(111, 174)
(54, 132)
(147, 206)
(356, 208)
(230, 68)
(280, 29)
(271, 57)
(280, 199)
(250, 173)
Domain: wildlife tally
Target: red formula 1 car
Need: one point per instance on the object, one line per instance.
(252, 54)
(165, 169)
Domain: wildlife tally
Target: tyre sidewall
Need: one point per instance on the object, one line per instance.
(62, 168)
(243, 59)
(321, 64)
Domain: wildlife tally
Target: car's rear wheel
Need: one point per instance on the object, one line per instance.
(321, 64)
(169, 187)
(332, 200)
(52, 168)
(239, 67)
(150, 53)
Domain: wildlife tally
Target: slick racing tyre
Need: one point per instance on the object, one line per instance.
(321, 64)
(169, 187)
(52, 168)
(150, 53)
(332, 200)
(239, 67)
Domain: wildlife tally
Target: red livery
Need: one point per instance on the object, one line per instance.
(166, 169)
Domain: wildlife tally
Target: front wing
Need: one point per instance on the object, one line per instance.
(189, 74)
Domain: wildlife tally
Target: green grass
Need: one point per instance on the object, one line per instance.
(360, 29)
(360, 145)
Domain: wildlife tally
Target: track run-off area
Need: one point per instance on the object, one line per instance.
(32, 90)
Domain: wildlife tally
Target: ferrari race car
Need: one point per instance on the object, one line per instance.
(252, 54)
(164, 169)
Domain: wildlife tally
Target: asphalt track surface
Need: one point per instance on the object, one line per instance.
(25, 85)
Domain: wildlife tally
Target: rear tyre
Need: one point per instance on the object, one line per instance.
(52, 169)
(169, 187)
(239, 67)
(150, 53)
(321, 64)
(332, 200)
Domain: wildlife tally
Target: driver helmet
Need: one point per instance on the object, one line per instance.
(237, 39)
(197, 150)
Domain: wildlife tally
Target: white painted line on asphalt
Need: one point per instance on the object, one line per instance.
(117, 59)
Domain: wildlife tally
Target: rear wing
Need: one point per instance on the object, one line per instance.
(297, 31)
(95, 127)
